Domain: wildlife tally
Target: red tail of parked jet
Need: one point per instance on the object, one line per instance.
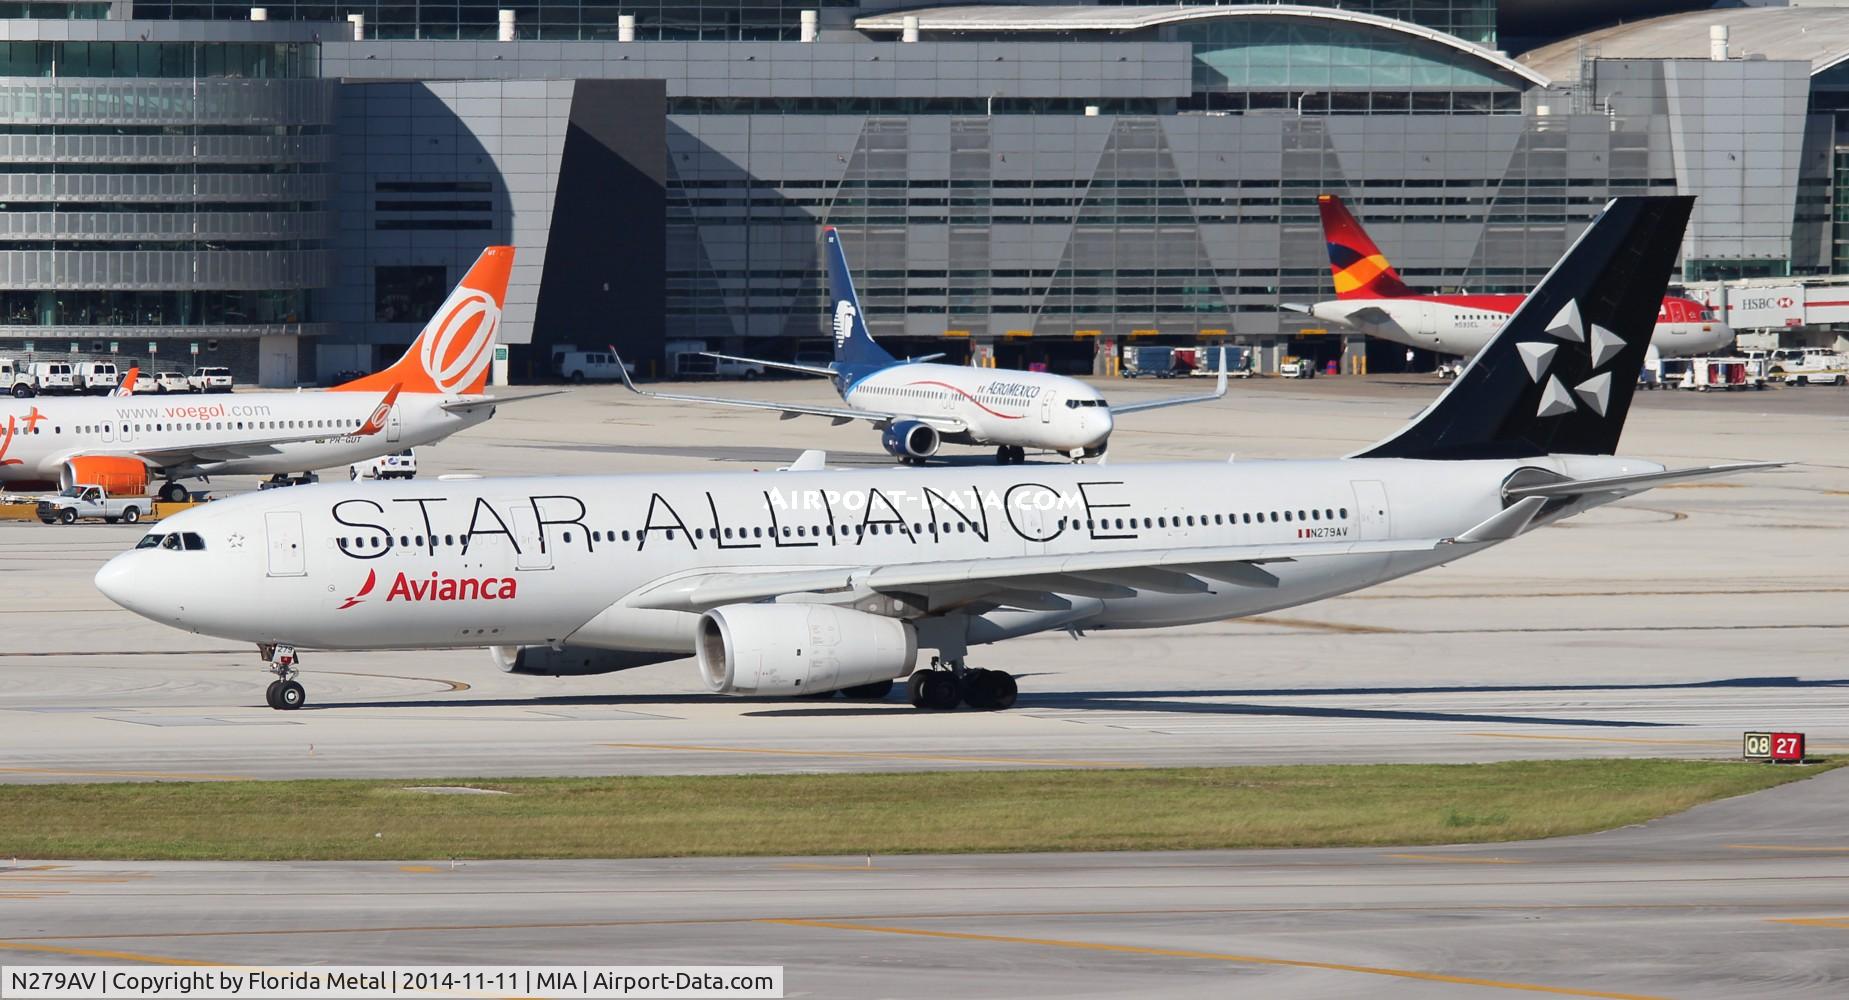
(1361, 270)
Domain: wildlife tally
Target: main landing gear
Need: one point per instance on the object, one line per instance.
(1010, 454)
(284, 693)
(172, 492)
(947, 683)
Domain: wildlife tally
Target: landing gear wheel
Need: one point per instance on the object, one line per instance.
(1006, 691)
(937, 690)
(1010, 454)
(290, 696)
(989, 690)
(173, 493)
(877, 691)
(269, 693)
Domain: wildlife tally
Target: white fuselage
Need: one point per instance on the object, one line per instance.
(1463, 330)
(37, 436)
(997, 406)
(563, 560)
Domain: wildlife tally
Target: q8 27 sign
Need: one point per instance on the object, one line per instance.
(1779, 748)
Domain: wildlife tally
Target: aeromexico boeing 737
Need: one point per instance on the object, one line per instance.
(121, 442)
(799, 582)
(919, 406)
(1371, 298)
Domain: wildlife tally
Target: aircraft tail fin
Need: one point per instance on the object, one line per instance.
(1558, 377)
(1361, 270)
(452, 354)
(853, 344)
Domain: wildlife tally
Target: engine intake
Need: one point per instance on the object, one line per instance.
(787, 649)
(911, 439)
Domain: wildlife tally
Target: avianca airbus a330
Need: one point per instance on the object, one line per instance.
(121, 442)
(801, 582)
(1371, 298)
(919, 406)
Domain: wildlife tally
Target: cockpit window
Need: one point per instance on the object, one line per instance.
(170, 542)
(149, 541)
(192, 541)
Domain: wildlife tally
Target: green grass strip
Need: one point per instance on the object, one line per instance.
(897, 813)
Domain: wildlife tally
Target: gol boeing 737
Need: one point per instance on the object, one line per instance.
(918, 405)
(121, 442)
(1371, 298)
(804, 582)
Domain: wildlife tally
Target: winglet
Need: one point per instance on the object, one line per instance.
(1506, 524)
(812, 460)
(622, 372)
(127, 388)
(1219, 388)
(376, 423)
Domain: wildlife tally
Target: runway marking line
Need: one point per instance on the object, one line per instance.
(812, 867)
(868, 755)
(117, 956)
(1459, 858)
(1632, 739)
(1837, 922)
(177, 776)
(1214, 956)
(1789, 847)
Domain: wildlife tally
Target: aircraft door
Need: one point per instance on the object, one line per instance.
(534, 553)
(1046, 407)
(283, 530)
(1371, 509)
(394, 424)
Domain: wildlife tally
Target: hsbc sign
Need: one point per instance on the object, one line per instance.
(1765, 307)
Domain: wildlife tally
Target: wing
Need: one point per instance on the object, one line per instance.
(789, 366)
(477, 402)
(1097, 574)
(1219, 390)
(839, 414)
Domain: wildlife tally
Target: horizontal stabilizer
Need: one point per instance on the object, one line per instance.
(1632, 484)
(477, 402)
(1506, 524)
(1296, 307)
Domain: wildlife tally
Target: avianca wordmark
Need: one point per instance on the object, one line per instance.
(438, 588)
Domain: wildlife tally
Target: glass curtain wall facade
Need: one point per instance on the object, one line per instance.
(553, 20)
(161, 190)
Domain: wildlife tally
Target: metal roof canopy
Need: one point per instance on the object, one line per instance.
(1817, 34)
(1034, 18)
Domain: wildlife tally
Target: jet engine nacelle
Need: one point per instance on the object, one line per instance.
(119, 476)
(572, 661)
(787, 649)
(911, 439)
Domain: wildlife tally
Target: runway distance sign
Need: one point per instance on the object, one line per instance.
(1779, 748)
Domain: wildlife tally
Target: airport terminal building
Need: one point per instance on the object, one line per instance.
(290, 190)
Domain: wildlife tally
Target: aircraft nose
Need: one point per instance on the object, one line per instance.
(129, 581)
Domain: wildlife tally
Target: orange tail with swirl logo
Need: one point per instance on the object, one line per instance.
(452, 354)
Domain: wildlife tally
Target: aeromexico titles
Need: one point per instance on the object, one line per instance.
(122, 442)
(1371, 298)
(813, 581)
(919, 406)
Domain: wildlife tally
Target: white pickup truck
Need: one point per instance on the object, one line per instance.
(88, 502)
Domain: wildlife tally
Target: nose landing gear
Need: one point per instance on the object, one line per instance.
(284, 693)
(947, 683)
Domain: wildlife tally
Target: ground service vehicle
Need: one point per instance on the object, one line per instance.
(210, 380)
(17, 380)
(99, 378)
(54, 378)
(589, 366)
(397, 465)
(89, 502)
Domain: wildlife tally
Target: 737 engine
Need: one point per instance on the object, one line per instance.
(912, 440)
(788, 649)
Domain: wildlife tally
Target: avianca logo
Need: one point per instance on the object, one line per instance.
(372, 579)
(459, 343)
(844, 321)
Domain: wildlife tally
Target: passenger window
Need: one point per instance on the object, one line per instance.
(1286, 515)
